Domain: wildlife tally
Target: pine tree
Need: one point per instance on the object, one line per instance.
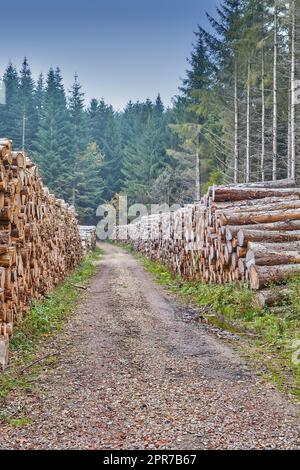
(79, 134)
(54, 140)
(78, 117)
(88, 184)
(39, 96)
(104, 130)
(144, 150)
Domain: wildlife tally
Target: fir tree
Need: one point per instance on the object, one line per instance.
(88, 184)
(53, 143)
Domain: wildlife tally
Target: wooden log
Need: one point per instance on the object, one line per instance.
(18, 159)
(270, 254)
(273, 297)
(247, 204)
(223, 194)
(263, 276)
(246, 236)
(231, 231)
(246, 218)
(243, 211)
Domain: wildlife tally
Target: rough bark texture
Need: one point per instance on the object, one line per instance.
(39, 238)
(211, 241)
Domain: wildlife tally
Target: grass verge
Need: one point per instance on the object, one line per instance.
(271, 337)
(44, 319)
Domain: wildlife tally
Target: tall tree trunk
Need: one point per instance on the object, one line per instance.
(198, 175)
(263, 117)
(73, 195)
(293, 93)
(275, 97)
(248, 125)
(236, 125)
(23, 128)
(289, 150)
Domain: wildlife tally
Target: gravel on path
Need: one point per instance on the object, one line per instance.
(135, 375)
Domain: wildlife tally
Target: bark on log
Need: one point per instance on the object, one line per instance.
(231, 231)
(246, 236)
(39, 238)
(223, 194)
(241, 212)
(273, 297)
(247, 218)
(272, 254)
(247, 204)
(262, 276)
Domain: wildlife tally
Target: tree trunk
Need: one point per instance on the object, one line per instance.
(275, 97)
(198, 183)
(274, 297)
(293, 93)
(246, 236)
(263, 118)
(272, 254)
(248, 169)
(236, 125)
(242, 211)
(231, 231)
(246, 218)
(262, 276)
(223, 193)
(23, 128)
(289, 150)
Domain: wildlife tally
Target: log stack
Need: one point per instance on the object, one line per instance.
(88, 237)
(39, 239)
(245, 234)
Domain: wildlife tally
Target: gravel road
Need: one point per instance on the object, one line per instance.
(135, 374)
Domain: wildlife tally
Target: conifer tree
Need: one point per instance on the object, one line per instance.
(88, 184)
(53, 143)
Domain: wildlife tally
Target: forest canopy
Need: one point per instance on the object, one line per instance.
(235, 118)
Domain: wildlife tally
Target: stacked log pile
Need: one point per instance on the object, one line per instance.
(246, 234)
(39, 239)
(88, 237)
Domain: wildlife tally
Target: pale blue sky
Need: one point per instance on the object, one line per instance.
(121, 50)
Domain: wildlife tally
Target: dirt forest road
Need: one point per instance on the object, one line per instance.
(135, 374)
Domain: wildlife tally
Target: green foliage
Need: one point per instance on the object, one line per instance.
(104, 129)
(149, 152)
(53, 144)
(88, 196)
(215, 178)
(19, 422)
(144, 139)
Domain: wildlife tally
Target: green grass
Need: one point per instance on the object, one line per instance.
(43, 320)
(269, 335)
(19, 422)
